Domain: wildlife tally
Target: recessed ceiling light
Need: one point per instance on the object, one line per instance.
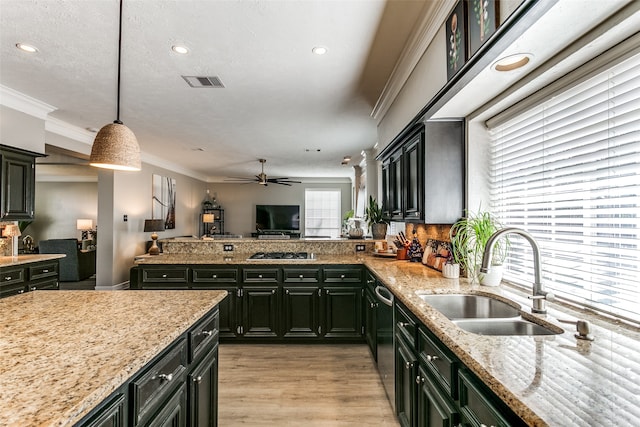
(182, 50)
(319, 50)
(26, 47)
(512, 62)
(92, 130)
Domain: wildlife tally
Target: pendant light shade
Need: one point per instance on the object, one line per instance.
(115, 146)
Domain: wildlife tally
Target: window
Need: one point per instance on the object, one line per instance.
(568, 171)
(322, 213)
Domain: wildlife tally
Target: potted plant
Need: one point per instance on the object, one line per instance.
(469, 236)
(374, 215)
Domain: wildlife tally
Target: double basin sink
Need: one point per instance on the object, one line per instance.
(484, 315)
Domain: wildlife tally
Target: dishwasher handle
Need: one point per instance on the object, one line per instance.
(387, 300)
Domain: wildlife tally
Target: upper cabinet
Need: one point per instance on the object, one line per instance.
(423, 173)
(17, 183)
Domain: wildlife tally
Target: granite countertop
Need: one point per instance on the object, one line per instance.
(64, 352)
(554, 380)
(8, 261)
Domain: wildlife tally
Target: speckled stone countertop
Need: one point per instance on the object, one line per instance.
(63, 352)
(554, 380)
(8, 261)
(244, 259)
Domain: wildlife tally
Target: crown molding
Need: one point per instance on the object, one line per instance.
(434, 15)
(68, 130)
(24, 103)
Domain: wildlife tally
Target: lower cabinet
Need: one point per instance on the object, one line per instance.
(18, 279)
(272, 303)
(369, 308)
(434, 388)
(177, 388)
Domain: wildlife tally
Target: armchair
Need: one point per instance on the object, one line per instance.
(76, 265)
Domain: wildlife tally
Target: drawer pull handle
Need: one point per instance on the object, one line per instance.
(21, 291)
(301, 276)
(215, 276)
(7, 277)
(402, 324)
(273, 291)
(259, 276)
(197, 379)
(164, 276)
(431, 358)
(207, 333)
(373, 305)
(45, 271)
(408, 365)
(342, 276)
(33, 288)
(420, 379)
(165, 377)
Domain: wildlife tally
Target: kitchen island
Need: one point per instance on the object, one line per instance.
(555, 380)
(64, 353)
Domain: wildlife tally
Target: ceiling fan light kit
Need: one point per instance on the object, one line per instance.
(115, 146)
(262, 178)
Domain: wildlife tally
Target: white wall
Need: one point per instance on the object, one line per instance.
(21, 130)
(239, 200)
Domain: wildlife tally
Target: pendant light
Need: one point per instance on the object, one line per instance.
(115, 146)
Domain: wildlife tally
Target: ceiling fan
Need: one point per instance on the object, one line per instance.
(262, 178)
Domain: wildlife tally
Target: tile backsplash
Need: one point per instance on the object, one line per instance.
(425, 232)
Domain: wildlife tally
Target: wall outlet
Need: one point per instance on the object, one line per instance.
(359, 248)
(227, 248)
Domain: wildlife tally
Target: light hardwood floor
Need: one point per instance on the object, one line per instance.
(300, 385)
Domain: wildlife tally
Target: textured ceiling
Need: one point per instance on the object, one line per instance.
(279, 99)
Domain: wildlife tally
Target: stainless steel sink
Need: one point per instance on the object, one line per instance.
(505, 327)
(459, 306)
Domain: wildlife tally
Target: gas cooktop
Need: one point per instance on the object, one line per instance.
(288, 256)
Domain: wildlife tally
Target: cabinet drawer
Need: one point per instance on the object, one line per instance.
(44, 284)
(406, 326)
(204, 335)
(438, 361)
(151, 388)
(476, 406)
(301, 275)
(13, 276)
(40, 271)
(343, 275)
(165, 275)
(6, 290)
(214, 275)
(265, 275)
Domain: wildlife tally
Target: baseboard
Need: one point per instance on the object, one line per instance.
(116, 287)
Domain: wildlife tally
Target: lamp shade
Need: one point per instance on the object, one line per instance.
(153, 225)
(84, 224)
(11, 230)
(208, 218)
(115, 147)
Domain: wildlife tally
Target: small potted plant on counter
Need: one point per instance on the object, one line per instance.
(374, 215)
(469, 236)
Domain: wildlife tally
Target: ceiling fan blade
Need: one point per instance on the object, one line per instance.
(282, 183)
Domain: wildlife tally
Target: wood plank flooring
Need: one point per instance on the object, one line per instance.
(300, 385)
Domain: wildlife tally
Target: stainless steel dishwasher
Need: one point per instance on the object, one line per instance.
(384, 341)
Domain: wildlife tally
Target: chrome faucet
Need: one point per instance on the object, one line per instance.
(539, 296)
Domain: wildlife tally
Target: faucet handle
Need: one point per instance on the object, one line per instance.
(549, 296)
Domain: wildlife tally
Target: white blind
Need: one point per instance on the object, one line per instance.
(568, 171)
(322, 216)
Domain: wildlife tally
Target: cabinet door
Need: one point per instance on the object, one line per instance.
(386, 189)
(343, 311)
(260, 311)
(301, 316)
(203, 392)
(370, 304)
(413, 164)
(174, 411)
(18, 186)
(477, 406)
(406, 374)
(434, 406)
(397, 183)
(111, 414)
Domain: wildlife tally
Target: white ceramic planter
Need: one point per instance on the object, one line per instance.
(451, 271)
(492, 278)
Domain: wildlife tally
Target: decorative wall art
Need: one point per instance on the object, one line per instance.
(164, 200)
(436, 254)
(456, 40)
(482, 18)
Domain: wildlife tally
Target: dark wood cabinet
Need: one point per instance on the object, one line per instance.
(434, 407)
(406, 372)
(17, 183)
(203, 392)
(272, 303)
(369, 308)
(112, 413)
(18, 279)
(423, 173)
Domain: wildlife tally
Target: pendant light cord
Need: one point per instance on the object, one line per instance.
(119, 55)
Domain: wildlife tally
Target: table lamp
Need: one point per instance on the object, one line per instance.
(208, 219)
(84, 225)
(153, 225)
(12, 230)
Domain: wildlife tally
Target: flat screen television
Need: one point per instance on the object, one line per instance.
(277, 218)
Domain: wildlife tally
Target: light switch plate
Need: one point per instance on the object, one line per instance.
(359, 248)
(227, 248)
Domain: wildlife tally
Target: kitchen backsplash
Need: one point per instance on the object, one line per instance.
(425, 232)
